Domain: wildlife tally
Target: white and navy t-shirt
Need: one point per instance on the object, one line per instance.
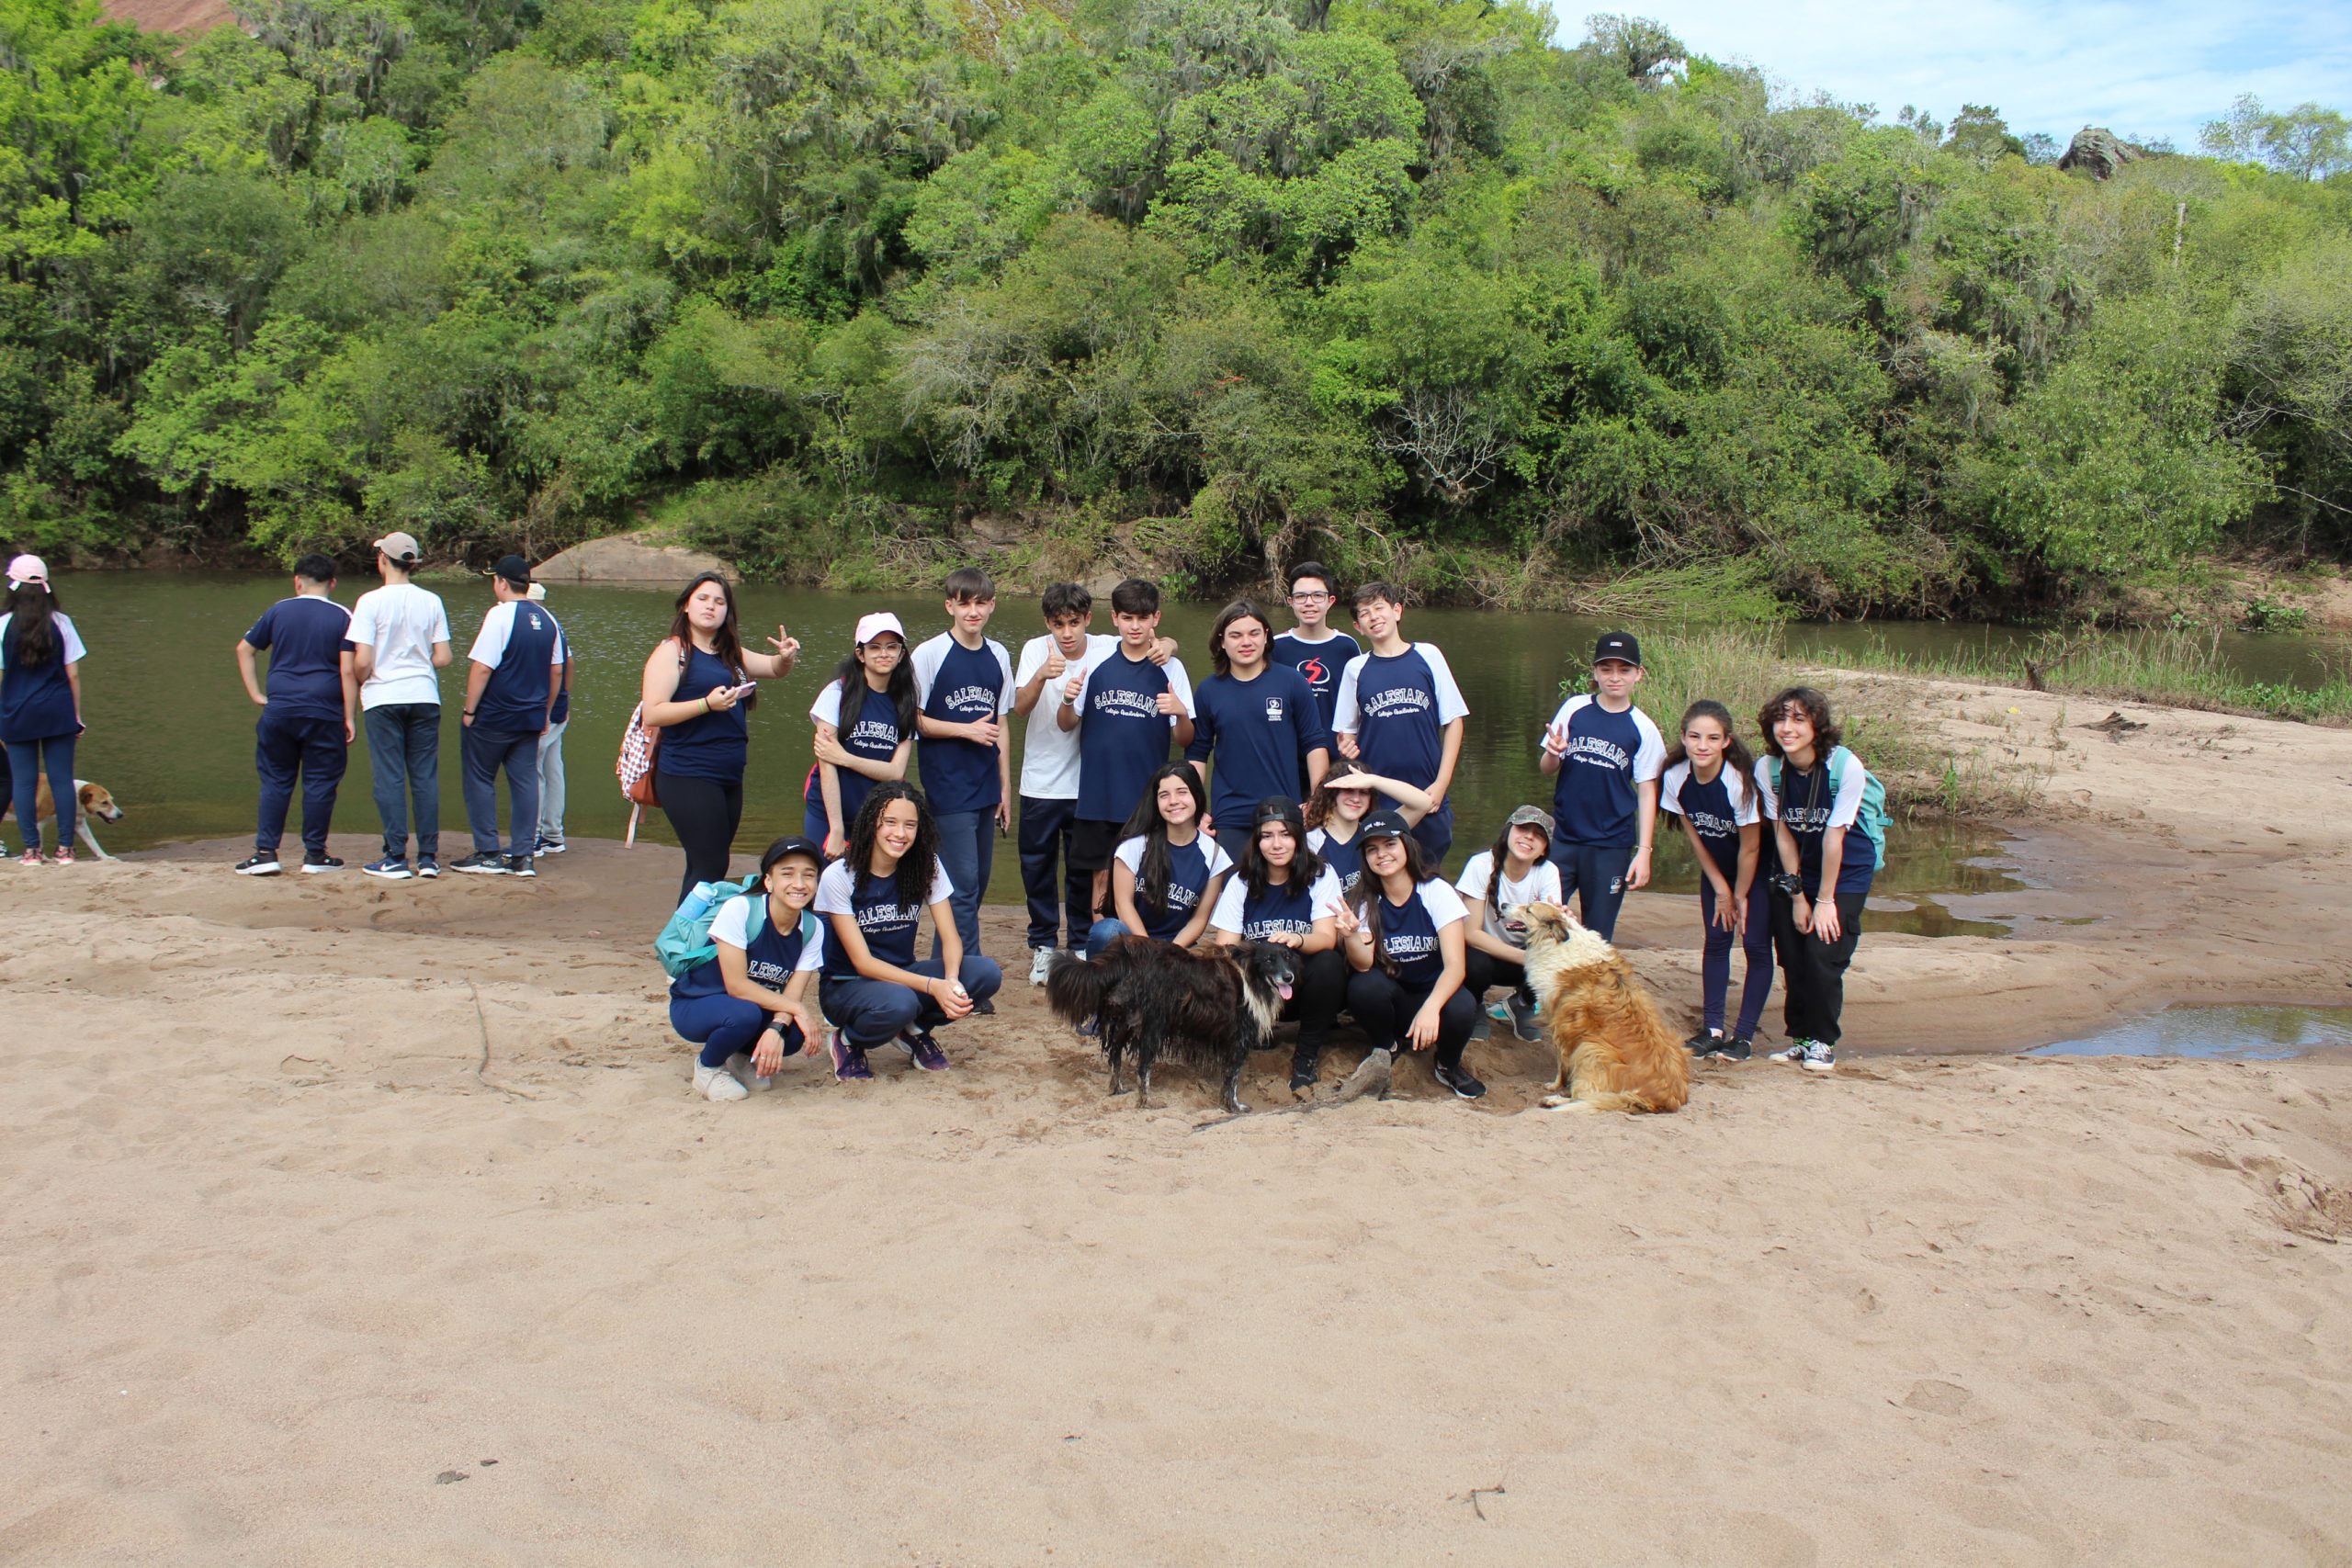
(522, 646)
(1319, 664)
(1122, 735)
(1715, 811)
(771, 957)
(1290, 908)
(1259, 730)
(1609, 755)
(1540, 885)
(400, 622)
(1398, 707)
(304, 638)
(1342, 857)
(871, 731)
(887, 926)
(1191, 868)
(960, 685)
(1049, 753)
(1810, 811)
(1409, 934)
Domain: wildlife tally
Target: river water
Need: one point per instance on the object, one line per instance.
(171, 730)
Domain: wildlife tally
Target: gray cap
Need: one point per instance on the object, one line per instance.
(1533, 817)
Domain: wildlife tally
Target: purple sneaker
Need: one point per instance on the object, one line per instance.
(919, 1044)
(849, 1062)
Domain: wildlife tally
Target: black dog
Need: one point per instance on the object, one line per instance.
(1207, 1010)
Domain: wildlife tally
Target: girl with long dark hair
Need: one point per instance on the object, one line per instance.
(40, 703)
(696, 680)
(1285, 895)
(865, 727)
(874, 898)
(1338, 808)
(1403, 937)
(1517, 870)
(1710, 786)
(1166, 875)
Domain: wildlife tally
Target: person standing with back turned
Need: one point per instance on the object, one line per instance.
(511, 690)
(306, 725)
(399, 639)
(40, 703)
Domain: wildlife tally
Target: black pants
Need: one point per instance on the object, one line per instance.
(1058, 893)
(1385, 1007)
(1315, 999)
(284, 748)
(1814, 971)
(704, 813)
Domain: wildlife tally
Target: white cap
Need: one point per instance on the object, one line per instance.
(538, 594)
(873, 626)
(31, 569)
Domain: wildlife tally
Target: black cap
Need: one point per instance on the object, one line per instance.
(1384, 825)
(1278, 808)
(789, 845)
(515, 570)
(1617, 645)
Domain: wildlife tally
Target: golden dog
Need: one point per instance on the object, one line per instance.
(1615, 1051)
(94, 800)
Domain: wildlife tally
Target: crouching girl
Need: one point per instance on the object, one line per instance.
(746, 1005)
(1404, 940)
(873, 898)
(1285, 895)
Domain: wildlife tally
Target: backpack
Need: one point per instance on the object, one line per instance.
(684, 944)
(1872, 818)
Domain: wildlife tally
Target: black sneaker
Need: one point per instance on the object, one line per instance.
(517, 865)
(315, 863)
(257, 865)
(1302, 1069)
(427, 867)
(1703, 1045)
(481, 862)
(1734, 1051)
(984, 1006)
(549, 847)
(1459, 1080)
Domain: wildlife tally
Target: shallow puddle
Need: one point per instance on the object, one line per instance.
(1932, 867)
(2217, 1033)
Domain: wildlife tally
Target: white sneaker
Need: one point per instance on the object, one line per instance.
(1794, 1052)
(717, 1083)
(1040, 960)
(739, 1064)
(1819, 1058)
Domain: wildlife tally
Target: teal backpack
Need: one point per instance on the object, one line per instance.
(1872, 818)
(684, 942)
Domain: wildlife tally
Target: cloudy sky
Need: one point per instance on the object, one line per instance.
(2151, 68)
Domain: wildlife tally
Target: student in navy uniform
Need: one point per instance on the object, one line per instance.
(1283, 894)
(1608, 755)
(1313, 648)
(693, 691)
(308, 716)
(1709, 786)
(1814, 935)
(1404, 938)
(1167, 874)
(1127, 710)
(511, 689)
(1258, 720)
(40, 703)
(874, 990)
(865, 727)
(1401, 714)
(1335, 815)
(963, 689)
(552, 781)
(748, 1006)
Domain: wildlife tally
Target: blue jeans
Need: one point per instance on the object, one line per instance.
(404, 755)
(1595, 875)
(312, 749)
(1056, 890)
(486, 751)
(24, 760)
(967, 849)
(551, 784)
(722, 1025)
(873, 1013)
(1102, 934)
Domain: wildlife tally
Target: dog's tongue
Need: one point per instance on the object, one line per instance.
(1284, 990)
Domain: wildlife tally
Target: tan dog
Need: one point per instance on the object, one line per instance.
(95, 800)
(1616, 1053)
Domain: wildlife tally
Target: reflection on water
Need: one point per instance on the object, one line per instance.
(1928, 862)
(2221, 1034)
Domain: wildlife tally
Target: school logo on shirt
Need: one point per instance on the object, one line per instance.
(971, 699)
(1405, 947)
(1318, 673)
(1273, 710)
(1711, 826)
(767, 973)
(873, 732)
(887, 917)
(1397, 702)
(536, 624)
(1595, 752)
(1120, 702)
(1182, 897)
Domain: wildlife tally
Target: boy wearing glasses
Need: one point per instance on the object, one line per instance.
(1315, 650)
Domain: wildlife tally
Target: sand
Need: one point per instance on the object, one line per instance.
(359, 1224)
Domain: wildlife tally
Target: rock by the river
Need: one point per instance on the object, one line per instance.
(621, 559)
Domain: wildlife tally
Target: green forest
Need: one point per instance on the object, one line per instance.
(1415, 287)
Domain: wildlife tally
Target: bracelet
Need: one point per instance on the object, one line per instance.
(706, 705)
(470, 713)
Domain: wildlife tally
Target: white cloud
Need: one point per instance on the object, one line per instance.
(2157, 68)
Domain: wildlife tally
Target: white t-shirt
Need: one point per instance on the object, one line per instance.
(497, 627)
(400, 622)
(1049, 753)
(67, 638)
(733, 928)
(1229, 914)
(1541, 886)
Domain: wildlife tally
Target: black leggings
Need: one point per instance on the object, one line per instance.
(704, 813)
(1483, 972)
(1814, 971)
(1385, 1007)
(1315, 999)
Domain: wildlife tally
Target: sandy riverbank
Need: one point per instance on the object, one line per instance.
(322, 1193)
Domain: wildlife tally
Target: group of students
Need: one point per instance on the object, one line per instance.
(1297, 795)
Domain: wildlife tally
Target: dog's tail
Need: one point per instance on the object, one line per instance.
(1076, 989)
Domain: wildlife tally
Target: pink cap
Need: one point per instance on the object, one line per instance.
(32, 568)
(873, 626)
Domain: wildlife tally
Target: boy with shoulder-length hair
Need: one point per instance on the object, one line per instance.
(963, 689)
(1127, 709)
(1401, 714)
(307, 715)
